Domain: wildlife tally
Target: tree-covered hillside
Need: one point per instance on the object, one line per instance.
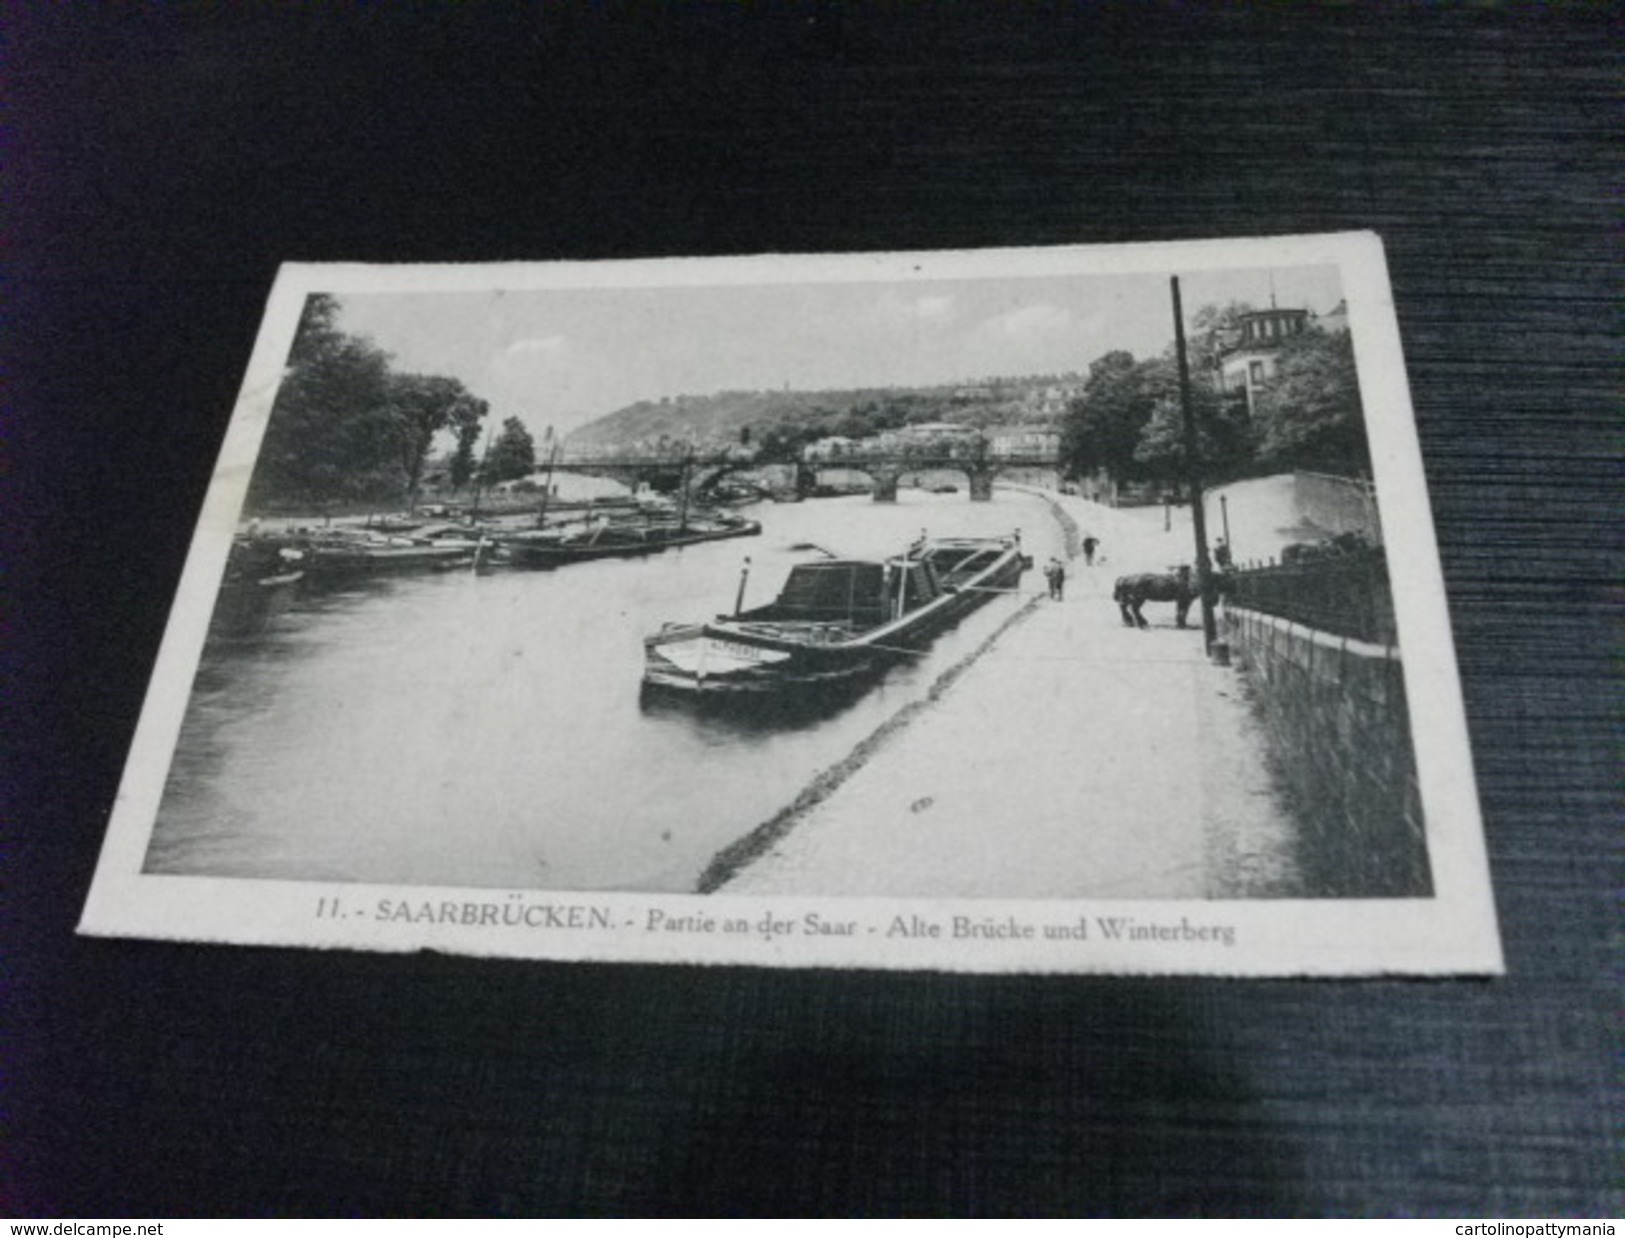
(793, 418)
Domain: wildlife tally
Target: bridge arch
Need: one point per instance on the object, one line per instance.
(796, 477)
(888, 473)
(666, 473)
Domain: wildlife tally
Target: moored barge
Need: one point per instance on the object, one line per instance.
(836, 620)
(622, 539)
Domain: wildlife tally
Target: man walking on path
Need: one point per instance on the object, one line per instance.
(1055, 573)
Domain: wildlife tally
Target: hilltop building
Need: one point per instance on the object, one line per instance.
(834, 447)
(1023, 441)
(1246, 353)
(929, 438)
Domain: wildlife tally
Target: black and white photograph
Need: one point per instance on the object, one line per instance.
(895, 611)
(1049, 610)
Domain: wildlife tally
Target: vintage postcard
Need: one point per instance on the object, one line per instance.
(1043, 610)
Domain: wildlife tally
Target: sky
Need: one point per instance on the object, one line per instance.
(564, 357)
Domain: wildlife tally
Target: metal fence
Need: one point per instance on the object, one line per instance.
(1344, 594)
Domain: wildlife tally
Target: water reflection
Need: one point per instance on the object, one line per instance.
(462, 729)
(730, 718)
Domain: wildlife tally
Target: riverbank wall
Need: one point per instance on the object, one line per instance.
(1337, 504)
(1071, 537)
(1338, 734)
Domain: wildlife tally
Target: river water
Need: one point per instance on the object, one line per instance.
(459, 730)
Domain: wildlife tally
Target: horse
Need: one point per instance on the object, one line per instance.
(1179, 587)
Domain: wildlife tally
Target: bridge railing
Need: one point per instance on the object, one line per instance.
(1346, 594)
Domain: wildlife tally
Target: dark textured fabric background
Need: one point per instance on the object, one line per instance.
(163, 159)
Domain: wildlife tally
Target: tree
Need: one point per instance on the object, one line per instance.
(513, 454)
(1308, 413)
(1223, 441)
(784, 446)
(465, 420)
(422, 406)
(331, 434)
(345, 427)
(462, 459)
(1102, 426)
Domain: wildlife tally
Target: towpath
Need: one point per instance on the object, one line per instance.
(1077, 758)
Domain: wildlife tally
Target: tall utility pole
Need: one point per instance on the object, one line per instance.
(682, 487)
(1193, 473)
(547, 480)
(479, 477)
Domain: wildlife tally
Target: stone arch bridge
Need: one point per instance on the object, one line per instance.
(699, 474)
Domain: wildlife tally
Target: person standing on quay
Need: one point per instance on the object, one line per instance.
(1055, 574)
(1090, 544)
